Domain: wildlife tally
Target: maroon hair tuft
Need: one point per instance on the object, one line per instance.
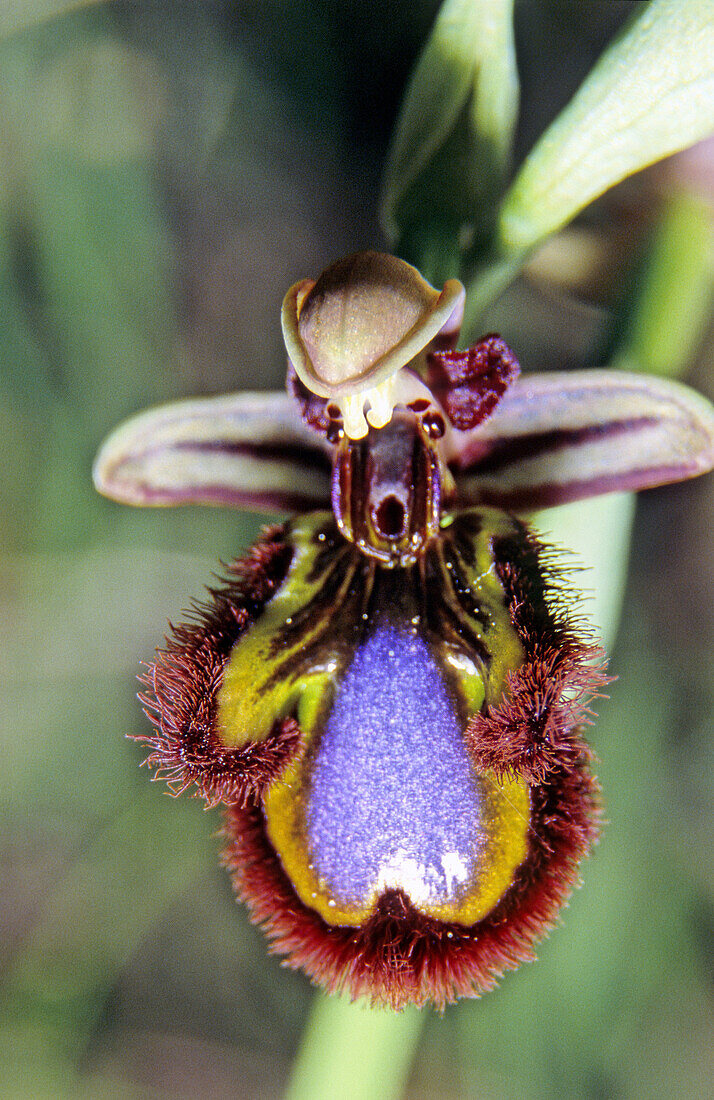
(535, 728)
(182, 687)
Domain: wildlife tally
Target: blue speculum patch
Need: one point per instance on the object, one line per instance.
(392, 798)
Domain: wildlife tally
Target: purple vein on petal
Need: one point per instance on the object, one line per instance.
(243, 451)
(501, 453)
(290, 453)
(562, 437)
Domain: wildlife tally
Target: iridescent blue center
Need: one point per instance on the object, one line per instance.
(393, 799)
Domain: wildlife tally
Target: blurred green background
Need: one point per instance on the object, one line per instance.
(167, 170)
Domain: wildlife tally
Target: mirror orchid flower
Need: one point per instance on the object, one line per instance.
(388, 693)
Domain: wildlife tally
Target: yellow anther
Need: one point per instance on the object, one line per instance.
(353, 419)
(381, 403)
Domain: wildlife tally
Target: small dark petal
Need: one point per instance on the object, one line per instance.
(182, 687)
(313, 408)
(399, 956)
(469, 384)
(533, 730)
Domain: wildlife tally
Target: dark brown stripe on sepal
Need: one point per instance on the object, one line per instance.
(561, 437)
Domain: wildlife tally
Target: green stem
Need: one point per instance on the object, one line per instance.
(483, 286)
(672, 306)
(355, 1052)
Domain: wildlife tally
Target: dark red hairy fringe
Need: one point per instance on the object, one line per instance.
(536, 727)
(183, 682)
(399, 956)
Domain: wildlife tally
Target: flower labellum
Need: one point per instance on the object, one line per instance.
(388, 693)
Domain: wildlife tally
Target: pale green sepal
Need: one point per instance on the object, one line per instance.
(650, 94)
(466, 75)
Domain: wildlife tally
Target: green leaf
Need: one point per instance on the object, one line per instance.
(453, 138)
(650, 94)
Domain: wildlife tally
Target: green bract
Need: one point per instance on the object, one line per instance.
(651, 94)
(452, 144)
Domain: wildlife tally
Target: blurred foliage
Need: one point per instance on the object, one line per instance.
(649, 94)
(166, 171)
(452, 142)
(668, 305)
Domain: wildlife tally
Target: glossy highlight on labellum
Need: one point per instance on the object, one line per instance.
(388, 693)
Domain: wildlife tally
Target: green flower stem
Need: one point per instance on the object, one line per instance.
(355, 1052)
(672, 309)
(484, 284)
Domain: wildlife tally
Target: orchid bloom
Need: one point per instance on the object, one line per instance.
(388, 693)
